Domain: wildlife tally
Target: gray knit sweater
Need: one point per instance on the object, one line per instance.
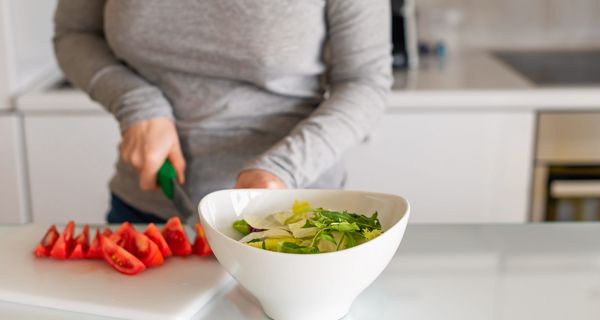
(282, 85)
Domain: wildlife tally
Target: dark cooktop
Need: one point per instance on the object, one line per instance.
(551, 68)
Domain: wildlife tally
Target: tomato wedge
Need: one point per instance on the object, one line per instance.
(201, 246)
(107, 232)
(45, 246)
(145, 249)
(95, 251)
(81, 244)
(123, 235)
(176, 237)
(64, 245)
(119, 258)
(154, 234)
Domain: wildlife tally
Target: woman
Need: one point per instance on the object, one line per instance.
(251, 94)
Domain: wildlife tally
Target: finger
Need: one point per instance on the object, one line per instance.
(239, 184)
(148, 172)
(135, 159)
(131, 155)
(178, 162)
(241, 181)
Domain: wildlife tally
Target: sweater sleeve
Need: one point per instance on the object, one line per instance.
(359, 79)
(88, 62)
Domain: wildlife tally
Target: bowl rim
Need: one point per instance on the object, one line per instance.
(362, 246)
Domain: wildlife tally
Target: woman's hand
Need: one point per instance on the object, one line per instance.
(147, 144)
(259, 179)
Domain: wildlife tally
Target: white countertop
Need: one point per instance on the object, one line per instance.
(483, 272)
(477, 80)
(473, 80)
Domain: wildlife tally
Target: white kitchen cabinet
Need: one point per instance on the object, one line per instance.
(453, 167)
(13, 189)
(71, 158)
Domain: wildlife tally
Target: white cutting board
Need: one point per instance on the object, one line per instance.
(175, 290)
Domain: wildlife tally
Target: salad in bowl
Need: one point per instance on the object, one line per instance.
(304, 229)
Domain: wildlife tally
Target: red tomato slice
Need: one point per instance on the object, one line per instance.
(153, 233)
(78, 252)
(145, 249)
(95, 251)
(119, 258)
(107, 232)
(123, 235)
(64, 245)
(201, 246)
(45, 246)
(81, 244)
(176, 238)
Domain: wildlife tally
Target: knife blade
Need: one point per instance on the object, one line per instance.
(167, 180)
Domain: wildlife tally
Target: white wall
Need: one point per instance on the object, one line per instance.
(517, 23)
(32, 28)
(26, 54)
(5, 54)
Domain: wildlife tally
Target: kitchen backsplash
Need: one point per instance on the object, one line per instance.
(511, 23)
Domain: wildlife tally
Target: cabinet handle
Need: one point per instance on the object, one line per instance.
(575, 188)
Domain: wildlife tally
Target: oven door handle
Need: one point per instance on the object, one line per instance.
(575, 188)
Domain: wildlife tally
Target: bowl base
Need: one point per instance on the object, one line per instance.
(306, 312)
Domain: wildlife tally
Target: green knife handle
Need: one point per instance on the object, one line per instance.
(165, 177)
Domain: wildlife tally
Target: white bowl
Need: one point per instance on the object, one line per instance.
(302, 286)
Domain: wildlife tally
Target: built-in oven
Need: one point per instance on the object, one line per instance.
(567, 167)
(572, 193)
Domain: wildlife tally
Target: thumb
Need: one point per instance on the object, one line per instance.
(178, 162)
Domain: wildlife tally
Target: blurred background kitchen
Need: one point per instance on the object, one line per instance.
(494, 117)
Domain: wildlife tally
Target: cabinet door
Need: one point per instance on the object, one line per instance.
(451, 166)
(13, 191)
(71, 159)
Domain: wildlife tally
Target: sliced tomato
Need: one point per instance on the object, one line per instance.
(45, 246)
(153, 233)
(124, 228)
(95, 251)
(78, 252)
(116, 238)
(201, 246)
(123, 235)
(107, 232)
(176, 237)
(64, 245)
(145, 249)
(119, 258)
(81, 244)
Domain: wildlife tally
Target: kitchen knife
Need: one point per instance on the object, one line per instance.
(167, 180)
